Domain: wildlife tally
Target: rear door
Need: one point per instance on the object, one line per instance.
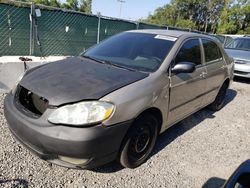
(216, 66)
(187, 89)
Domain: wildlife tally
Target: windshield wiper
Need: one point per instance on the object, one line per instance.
(119, 66)
(108, 63)
(94, 59)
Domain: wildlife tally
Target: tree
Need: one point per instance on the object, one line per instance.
(81, 5)
(235, 17)
(86, 6)
(55, 3)
(71, 4)
(223, 16)
(164, 16)
(42, 2)
(182, 23)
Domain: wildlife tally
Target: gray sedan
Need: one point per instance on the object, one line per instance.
(239, 50)
(114, 100)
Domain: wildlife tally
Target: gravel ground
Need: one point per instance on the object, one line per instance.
(201, 151)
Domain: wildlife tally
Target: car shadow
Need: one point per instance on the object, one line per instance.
(173, 132)
(231, 94)
(14, 183)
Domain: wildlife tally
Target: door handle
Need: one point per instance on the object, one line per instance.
(203, 74)
(223, 67)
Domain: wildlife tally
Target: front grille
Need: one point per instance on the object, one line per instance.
(241, 72)
(30, 102)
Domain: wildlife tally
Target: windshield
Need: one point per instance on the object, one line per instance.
(239, 44)
(137, 51)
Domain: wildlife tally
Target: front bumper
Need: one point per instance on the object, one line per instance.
(97, 144)
(242, 70)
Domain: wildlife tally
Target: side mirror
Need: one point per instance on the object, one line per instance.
(241, 177)
(183, 67)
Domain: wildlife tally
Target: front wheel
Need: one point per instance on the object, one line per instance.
(220, 98)
(139, 141)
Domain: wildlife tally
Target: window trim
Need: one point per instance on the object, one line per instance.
(181, 45)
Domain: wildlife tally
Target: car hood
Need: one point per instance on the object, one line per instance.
(238, 54)
(75, 79)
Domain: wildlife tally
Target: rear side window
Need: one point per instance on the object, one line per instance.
(211, 50)
(189, 52)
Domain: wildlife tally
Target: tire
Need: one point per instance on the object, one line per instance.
(220, 99)
(139, 141)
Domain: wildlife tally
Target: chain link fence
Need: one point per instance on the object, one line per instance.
(60, 32)
(109, 27)
(31, 29)
(14, 29)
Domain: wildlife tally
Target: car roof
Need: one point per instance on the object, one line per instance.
(172, 33)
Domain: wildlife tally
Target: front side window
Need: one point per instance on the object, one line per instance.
(189, 52)
(138, 51)
(211, 50)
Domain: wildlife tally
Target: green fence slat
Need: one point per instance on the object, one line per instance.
(149, 26)
(57, 31)
(14, 30)
(65, 33)
(110, 27)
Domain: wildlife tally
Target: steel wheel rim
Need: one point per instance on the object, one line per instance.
(140, 143)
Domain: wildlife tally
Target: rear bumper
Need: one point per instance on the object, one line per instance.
(97, 145)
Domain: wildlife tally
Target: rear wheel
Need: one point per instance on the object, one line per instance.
(220, 98)
(139, 141)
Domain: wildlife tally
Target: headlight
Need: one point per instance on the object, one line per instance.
(82, 113)
(13, 90)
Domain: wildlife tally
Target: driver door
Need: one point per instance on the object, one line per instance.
(187, 89)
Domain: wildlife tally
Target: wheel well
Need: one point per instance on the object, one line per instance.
(155, 112)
